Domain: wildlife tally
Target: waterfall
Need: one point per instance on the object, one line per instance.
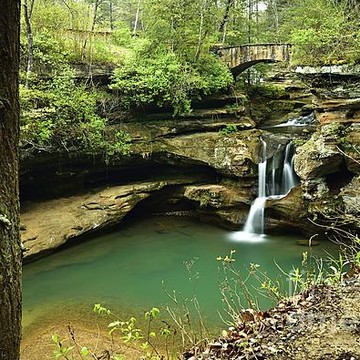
(278, 183)
(255, 221)
(299, 121)
(289, 179)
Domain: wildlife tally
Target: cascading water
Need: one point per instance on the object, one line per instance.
(278, 183)
(255, 221)
(289, 179)
(299, 121)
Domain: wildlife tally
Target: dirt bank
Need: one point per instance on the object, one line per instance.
(320, 324)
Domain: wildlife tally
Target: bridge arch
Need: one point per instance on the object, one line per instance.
(240, 58)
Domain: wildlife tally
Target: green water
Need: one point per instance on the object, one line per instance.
(131, 267)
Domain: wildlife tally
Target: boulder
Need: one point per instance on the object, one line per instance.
(320, 155)
(287, 212)
(217, 196)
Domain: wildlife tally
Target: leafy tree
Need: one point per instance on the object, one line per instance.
(10, 253)
(321, 31)
(164, 79)
(171, 62)
(59, 115)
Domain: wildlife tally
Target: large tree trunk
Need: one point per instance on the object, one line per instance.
(10, 253)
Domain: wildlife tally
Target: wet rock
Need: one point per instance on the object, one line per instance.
(337, 110)
(307, 242)
(314, 189)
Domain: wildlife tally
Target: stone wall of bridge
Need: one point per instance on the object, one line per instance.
(239, 58)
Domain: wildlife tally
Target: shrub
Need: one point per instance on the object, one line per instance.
(59, 115)
(166, 80)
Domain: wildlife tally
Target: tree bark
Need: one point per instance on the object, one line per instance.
(10, 252)
(29, 35)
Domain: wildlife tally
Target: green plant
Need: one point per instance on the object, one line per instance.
(234, 288)
(337, 269)
(160, 80)
(132, 334)
(60, 349)
(234, 284)
(59, 115)
(272, 92)
(164, 79)
(322, 31)
(185, 312)
(228, 129)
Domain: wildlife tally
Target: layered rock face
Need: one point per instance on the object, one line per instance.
(205, 166)
(328, 164)
(198, 166)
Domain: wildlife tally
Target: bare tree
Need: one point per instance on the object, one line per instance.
(10, 252)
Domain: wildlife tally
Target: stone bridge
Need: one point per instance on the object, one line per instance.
(240, 58)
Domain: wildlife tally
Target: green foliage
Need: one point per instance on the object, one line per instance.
(59, 115)
(132, 335)
(164, 80)
(214, 75)
(152, 314)
(234, 284)
(322, 32)
(61, 351)
(228, 129)
(266, 91)
(49, 53)
(121, 36)
(185, 27)
(160, 81)
(101, 310)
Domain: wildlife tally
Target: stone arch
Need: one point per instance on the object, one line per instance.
(240, 58)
